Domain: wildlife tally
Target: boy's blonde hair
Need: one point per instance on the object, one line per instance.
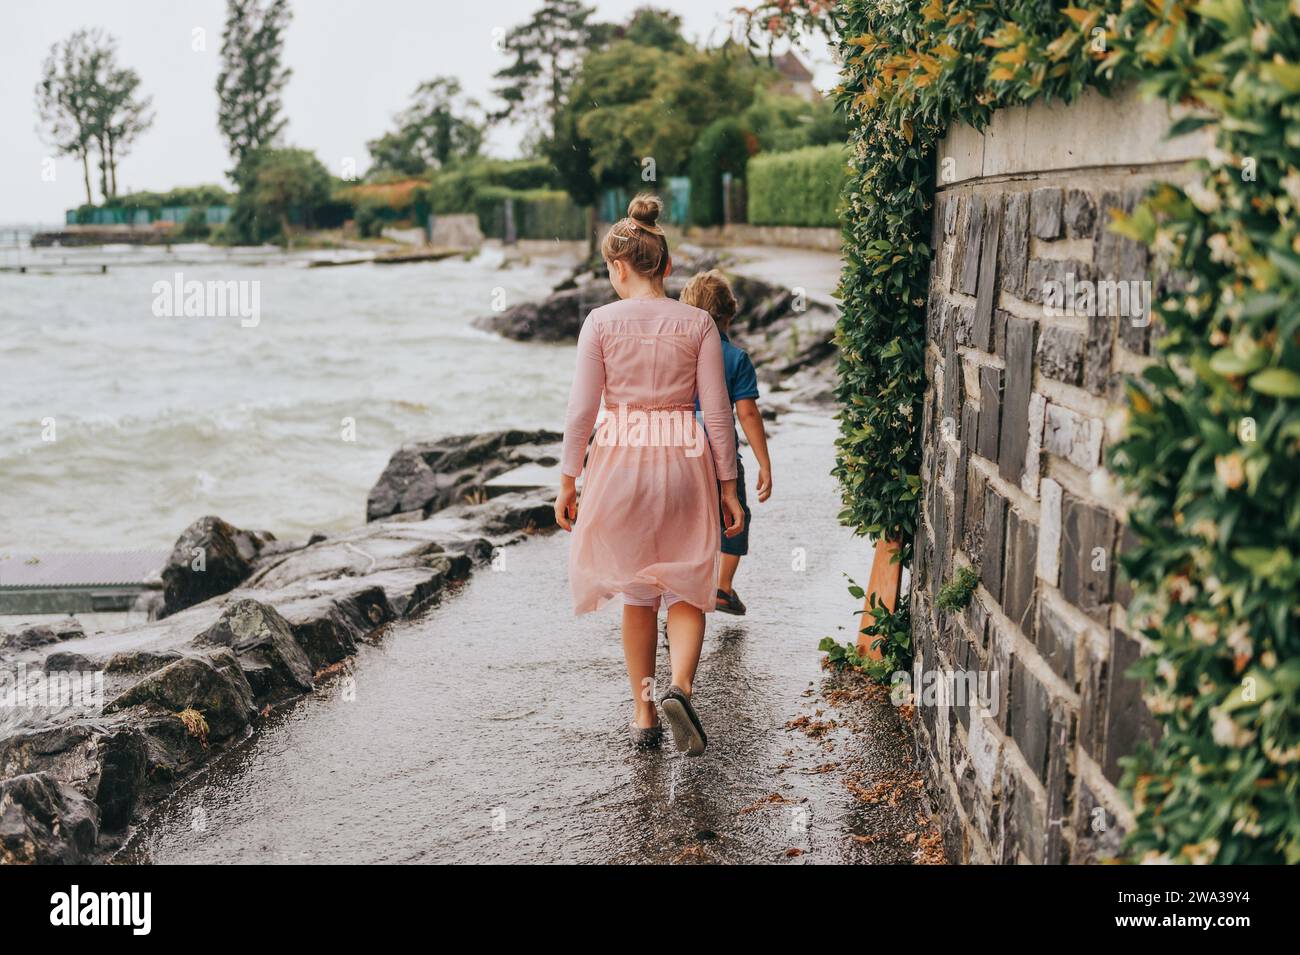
(712, 292)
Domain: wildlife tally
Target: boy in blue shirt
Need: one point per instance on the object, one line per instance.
(711, 292)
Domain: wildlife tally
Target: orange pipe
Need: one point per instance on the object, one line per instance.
(886, 583)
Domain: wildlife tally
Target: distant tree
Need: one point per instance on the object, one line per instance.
(275, 186)
(121, 115)
(652, 27)
(547, 52)
(633, 102)
(252, 77)
(439, 127)
(67, 96)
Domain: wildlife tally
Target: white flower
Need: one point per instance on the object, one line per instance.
(1220, 250)
(1291, 183)
(1259, 37)
(1239, 640)
(1227, 733)
(1207, 200)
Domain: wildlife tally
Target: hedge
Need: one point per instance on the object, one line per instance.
(799, 188)
(1213, 425)
(539, 213)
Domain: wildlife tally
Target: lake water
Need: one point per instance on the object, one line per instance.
(119, 426)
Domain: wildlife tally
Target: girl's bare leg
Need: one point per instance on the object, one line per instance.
(640, 639)
(685, 640)
(727, 571)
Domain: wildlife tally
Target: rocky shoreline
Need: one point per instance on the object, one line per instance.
(245, 623)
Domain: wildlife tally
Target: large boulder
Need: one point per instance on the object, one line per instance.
(430, 476)
(210, 557)
(213, 684)
(45, 822)
(273, 663)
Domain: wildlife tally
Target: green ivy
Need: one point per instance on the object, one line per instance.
(1216, 515)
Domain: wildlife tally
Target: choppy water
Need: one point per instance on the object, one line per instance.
(284, 426)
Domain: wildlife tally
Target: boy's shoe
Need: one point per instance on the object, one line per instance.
(645, 737)
(688, 731)
(730, 603)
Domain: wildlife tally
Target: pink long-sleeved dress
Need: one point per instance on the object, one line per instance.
(648, 515)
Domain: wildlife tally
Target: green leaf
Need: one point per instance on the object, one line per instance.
(1278, 382)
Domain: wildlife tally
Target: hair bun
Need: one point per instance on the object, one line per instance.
(646, 209)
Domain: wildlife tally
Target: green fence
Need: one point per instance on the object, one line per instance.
(111, 215)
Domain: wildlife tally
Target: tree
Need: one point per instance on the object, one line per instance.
(67, 95)
(547, 52)
(121, 115)
(439, 127)
(633, 102)
(661, 29)
(275, 187)
(251, 78)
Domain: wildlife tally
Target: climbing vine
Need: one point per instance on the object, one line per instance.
(1209, 457)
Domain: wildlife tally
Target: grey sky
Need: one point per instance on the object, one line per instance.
(355, 63)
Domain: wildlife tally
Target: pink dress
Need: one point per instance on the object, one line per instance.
(648, 512)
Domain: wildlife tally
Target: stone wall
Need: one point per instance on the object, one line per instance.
(1020, 406)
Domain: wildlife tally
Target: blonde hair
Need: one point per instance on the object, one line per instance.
(637, 239)
(712, 292)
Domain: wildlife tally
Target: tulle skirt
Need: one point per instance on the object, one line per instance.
(647, 516)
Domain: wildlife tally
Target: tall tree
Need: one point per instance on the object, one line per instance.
(547, 51)
(440, 126)
(252, 76)
(121, 115)
(67, 96)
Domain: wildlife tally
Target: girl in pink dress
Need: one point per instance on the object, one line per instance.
(647, 530)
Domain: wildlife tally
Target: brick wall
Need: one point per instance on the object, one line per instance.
(1019, 409)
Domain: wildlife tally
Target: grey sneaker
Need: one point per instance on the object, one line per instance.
(688, 731)
(645, 737)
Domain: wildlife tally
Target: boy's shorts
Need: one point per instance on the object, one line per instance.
(737, 546)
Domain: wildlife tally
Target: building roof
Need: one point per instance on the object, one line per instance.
(792, 68)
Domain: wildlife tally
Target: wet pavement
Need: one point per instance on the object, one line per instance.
(492, 730)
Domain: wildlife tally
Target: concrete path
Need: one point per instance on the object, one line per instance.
(816, 272)
(492, 730)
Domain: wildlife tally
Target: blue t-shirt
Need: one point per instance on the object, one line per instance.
(742, 380)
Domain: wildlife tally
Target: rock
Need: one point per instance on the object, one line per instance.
(433, 475)
(45, 822)
(104, 759)
(62, 661)
(275, 666)
(140, 661)
(557, 318)
(783, 332)
(42, 635)
(210, 557)
(214, 685)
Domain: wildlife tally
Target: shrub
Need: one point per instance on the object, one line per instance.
(724, 146)
(799, 188)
